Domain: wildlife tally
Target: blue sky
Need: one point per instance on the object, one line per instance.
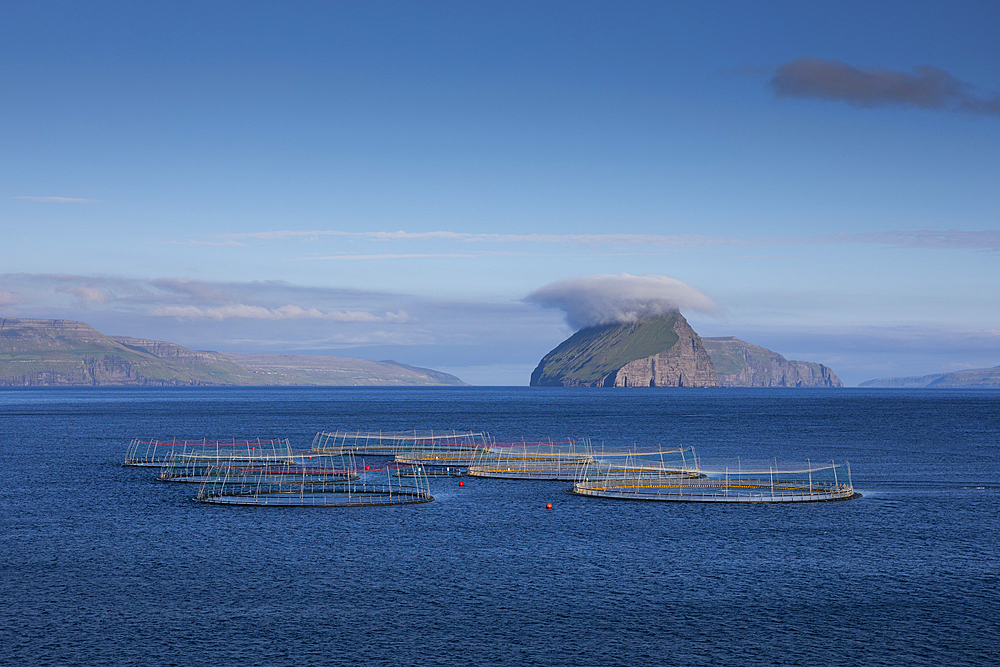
(390, 180)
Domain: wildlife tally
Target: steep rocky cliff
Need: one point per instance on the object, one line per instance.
(741, 364)
(659, 352)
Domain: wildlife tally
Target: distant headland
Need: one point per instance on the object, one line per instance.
(665, 351)
(976, 378)
(37, 352)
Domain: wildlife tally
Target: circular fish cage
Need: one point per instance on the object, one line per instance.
(551, 460)
(386, 443)
(360, 487)
(739, 484)
(577, 461)
(200, 468)
(160, 453)
(557, 467)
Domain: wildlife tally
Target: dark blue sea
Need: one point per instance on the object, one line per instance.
(104, 565)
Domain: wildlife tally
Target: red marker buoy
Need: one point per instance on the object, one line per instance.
(461, 483)
(368, 467)
(548, 506)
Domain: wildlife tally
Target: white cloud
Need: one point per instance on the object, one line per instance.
(398, 316)
(604, 299)
(90, 295)
(9, 298)
(287, 312)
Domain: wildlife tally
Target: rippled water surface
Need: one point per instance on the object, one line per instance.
(104, 565)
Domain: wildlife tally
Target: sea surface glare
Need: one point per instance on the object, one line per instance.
(102, 564)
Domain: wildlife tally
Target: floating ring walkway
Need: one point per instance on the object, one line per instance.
(809, 484)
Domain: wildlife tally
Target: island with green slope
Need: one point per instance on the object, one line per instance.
(666, 352)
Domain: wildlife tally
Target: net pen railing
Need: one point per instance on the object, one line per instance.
(739, 483)
(393, 443)
(194, 468)
(358, 486)
(541, 460)
(152, 453)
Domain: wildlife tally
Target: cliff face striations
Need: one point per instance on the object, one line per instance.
(171, 351)
(741, 364)
(659, 352)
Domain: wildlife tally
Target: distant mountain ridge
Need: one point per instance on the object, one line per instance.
(984, 378)
(66, 352)
(319, 369)
(36, 352)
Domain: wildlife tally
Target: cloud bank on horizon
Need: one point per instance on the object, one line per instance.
(927, 87)
(260, 316)
(506, 338)
(606, 299)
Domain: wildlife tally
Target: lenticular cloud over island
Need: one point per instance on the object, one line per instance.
(607, 299)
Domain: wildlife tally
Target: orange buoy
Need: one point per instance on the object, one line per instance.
(548, 506)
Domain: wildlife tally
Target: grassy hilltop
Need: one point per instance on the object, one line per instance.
(590, 355)
(64, 352)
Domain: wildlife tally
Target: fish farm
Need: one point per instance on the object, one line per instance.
(269, 472)
(400, 464)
